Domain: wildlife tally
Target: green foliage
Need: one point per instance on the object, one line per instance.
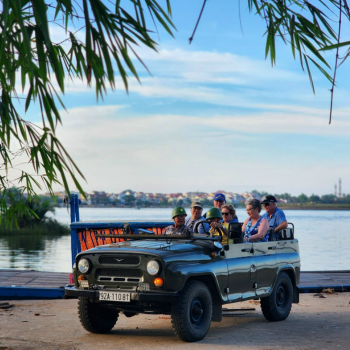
(260, 194)
(129, 200)
(307, 27)
(302, 198)
(28, 216)
(49, 227)
(28, 55)
(25, 212)
(314, 198)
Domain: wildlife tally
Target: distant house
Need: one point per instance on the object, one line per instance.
(140, 196)
(237, 198)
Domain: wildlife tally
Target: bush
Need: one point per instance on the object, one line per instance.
(46, 227)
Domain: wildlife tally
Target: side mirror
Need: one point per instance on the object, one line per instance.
(126, 229)
(235, 232)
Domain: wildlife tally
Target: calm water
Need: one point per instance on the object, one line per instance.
(323, 237)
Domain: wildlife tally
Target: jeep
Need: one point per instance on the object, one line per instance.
(133, 269)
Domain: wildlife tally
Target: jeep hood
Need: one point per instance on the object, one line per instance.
(160, 248)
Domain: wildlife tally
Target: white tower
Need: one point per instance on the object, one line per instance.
(340, 193)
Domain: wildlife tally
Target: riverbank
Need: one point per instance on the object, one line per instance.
(315, 323)
(309, 206)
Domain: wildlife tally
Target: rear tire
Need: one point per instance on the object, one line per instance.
(94, 318)
(277, 306)
(191, 314)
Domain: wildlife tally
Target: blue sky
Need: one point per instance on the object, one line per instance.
(213, 115)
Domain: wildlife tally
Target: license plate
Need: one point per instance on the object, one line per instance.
(115, 296)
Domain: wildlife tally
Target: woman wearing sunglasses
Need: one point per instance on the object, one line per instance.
(228, 213)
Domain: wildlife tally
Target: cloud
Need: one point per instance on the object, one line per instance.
(208, 66)
(116, 150)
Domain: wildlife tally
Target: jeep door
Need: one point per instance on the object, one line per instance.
(266, 265)
(241, 271)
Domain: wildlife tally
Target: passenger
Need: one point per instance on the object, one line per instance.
(214, 216)
(196, 211)
(255, 227)
(275, 216)
(228, 214)
(218, 202)
(179, 228)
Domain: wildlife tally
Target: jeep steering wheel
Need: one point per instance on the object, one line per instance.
(195, 229)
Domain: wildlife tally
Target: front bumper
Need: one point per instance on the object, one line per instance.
(71, 291)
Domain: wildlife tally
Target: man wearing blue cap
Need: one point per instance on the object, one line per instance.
(219, 201)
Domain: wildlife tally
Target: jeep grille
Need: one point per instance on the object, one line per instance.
(119, 260)
(119, 272)
(119, 275)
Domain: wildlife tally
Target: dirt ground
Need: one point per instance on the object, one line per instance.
(315, 323)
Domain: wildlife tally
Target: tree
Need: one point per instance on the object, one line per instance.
(328, 198)
(286, 196)
(28, 54)
(302, 198)
(116, 202)
(129, 200)
(24, 213)
(139, 202)
(314, 198)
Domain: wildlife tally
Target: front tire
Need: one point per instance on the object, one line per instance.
(191, 314)
(277, 306)
(94, 318)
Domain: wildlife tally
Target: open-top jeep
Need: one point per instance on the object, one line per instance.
(135, 269)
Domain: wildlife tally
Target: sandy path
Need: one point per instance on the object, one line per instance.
(315, 323)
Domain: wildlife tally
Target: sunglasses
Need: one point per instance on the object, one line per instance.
(225, 213)
(266, 204)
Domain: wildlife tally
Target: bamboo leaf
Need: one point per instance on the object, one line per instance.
(335, 46)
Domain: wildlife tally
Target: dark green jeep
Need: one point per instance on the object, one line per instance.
(187, 277)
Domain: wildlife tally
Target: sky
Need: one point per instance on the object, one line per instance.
(212, 115)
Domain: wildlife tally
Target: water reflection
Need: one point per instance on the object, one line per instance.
(35, 252)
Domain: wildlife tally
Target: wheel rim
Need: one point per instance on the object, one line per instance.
(197, 312)
(281, 296)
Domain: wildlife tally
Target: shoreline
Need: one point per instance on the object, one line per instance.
(281, 206)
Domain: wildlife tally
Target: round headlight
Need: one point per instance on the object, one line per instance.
(84, 265)
(153, 267)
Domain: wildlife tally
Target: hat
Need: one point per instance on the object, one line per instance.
(220, 197)
(269, 199)
(197, 204)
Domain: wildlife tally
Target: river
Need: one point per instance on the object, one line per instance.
(323, 237)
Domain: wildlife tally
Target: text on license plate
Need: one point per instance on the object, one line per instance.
(115, 296)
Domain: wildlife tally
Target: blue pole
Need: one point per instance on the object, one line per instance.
(72, 209)
(73, 233)
(74, 244)
(77, 208)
